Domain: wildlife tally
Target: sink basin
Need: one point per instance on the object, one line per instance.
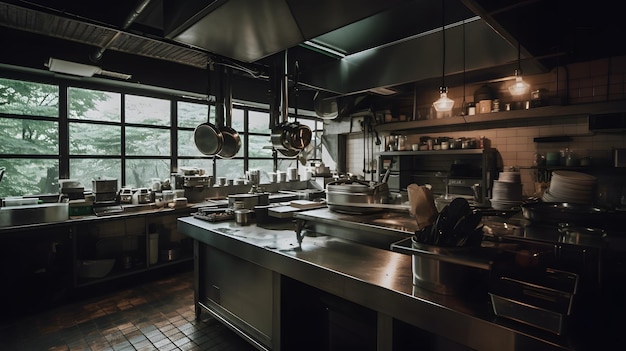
(31, 214)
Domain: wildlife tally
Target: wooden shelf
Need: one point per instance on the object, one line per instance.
(436, 152)
(568, 111)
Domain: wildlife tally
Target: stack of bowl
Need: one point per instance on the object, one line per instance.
(507, 191)
(569, 186)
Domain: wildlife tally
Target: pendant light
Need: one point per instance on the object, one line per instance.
(519, 87)
(444, 103)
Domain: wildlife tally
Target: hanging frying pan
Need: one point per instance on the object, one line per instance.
(231, 139)
(325, 105)
(207, 136)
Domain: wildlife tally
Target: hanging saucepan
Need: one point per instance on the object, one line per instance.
(289, 138)
(296, 136)
(232, 141)
(207, 136)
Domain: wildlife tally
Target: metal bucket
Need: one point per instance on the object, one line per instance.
(440, 276)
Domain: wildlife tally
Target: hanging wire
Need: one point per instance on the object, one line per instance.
(464, 104)
(443, 32)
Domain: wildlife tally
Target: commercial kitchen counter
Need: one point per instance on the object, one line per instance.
(377, 279)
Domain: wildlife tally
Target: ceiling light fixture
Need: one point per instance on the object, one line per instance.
(81, 70)
(519, 87)
(444, 103)
(323, 49)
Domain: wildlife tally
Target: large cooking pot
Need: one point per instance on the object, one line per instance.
(349, 196)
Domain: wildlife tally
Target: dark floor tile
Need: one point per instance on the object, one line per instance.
(154, 315)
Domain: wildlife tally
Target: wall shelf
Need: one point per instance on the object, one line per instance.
(537, 113)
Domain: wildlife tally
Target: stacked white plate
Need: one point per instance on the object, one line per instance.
(569, 186)
(507, 191)
(510, 177)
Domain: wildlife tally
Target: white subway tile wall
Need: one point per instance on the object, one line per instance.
(594, 81)
(516, 146)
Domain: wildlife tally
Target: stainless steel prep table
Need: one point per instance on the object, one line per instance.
(377, 279)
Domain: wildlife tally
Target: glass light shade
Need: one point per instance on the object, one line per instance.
(444, 103)
(519, 87)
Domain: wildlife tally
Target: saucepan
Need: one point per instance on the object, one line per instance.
(290, 138)
(231, 140)
(207, 137)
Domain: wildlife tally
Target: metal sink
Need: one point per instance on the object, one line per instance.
(32, 214)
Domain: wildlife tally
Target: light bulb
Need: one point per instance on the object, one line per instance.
(519, 87)
(444, 103)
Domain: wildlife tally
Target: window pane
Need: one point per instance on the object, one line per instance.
(94, 105)
(147, 141)
(231, 169)
(27, 98)
(147, 110)
(265, 166)
(86, 169)
(29, 177)
(28, 137)
(258, 122)
(139, 172)
(95, 139)
(186, 144)
(307, 122)
(237, 120)
(283, 164)
(258, 144)
(190, 115)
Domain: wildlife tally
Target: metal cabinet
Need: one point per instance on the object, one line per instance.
(241, 294)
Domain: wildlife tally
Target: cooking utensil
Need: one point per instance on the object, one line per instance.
(564, 212)
(231, 140)
(207, 137)
(356, 196)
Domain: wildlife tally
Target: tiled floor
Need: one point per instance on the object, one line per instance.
(154, 315)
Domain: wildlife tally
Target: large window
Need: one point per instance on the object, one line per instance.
(114, 134)
(29, 129)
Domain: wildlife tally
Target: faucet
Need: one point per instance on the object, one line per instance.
(478, 194)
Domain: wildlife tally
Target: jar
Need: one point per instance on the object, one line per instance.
(495, 106)
(471, 108)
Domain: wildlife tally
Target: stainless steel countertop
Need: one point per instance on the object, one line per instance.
(377, 279)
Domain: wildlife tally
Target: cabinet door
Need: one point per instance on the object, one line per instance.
(237, 290)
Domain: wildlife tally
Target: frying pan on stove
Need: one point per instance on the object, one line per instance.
(208, 138)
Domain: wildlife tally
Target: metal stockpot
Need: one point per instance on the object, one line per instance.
(345, 195)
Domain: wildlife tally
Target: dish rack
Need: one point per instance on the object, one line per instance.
(543, 301)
